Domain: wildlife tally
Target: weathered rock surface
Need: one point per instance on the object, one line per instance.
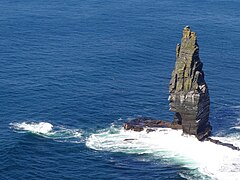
(189, 97)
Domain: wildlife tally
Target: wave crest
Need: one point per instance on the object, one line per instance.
(47, 130)
(40, 127)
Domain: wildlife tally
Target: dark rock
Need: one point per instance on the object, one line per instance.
(189, 97)
(129, 139)
(223, 144)
(139, 124)
(150, 130)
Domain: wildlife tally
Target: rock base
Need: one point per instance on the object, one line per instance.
(139, 124)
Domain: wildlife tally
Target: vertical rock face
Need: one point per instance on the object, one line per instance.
(189, 97)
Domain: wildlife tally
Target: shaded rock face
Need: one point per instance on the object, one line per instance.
(189, 97)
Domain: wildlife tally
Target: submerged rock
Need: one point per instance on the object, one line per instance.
(189, 97)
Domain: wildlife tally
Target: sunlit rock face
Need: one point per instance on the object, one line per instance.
(189, 97)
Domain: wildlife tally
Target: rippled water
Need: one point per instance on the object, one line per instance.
(73, 71)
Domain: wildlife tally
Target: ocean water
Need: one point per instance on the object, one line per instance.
(72, 72)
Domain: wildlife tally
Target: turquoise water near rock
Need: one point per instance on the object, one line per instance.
(73, 71)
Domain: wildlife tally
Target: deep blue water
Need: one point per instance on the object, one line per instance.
(84, 65)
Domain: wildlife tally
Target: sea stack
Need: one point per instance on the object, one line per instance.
(189, 97)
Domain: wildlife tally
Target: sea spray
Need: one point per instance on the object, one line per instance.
(207, 158)
(34, 127)
(47, 130)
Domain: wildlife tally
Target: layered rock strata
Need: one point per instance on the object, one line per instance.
(189, 97)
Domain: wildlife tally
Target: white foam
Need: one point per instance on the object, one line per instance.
(45, 129)
(66, 135)
(40, 127)
(208, 158)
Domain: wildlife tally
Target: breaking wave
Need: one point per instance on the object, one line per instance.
(47, 130)
(208, 159)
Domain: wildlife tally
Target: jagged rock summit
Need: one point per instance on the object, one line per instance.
(189, 97)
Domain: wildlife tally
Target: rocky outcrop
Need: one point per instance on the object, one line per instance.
(229, 145)
(189, 97)
(150, 125)
(139, 124)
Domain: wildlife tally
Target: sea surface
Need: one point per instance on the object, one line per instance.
(73, 71)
